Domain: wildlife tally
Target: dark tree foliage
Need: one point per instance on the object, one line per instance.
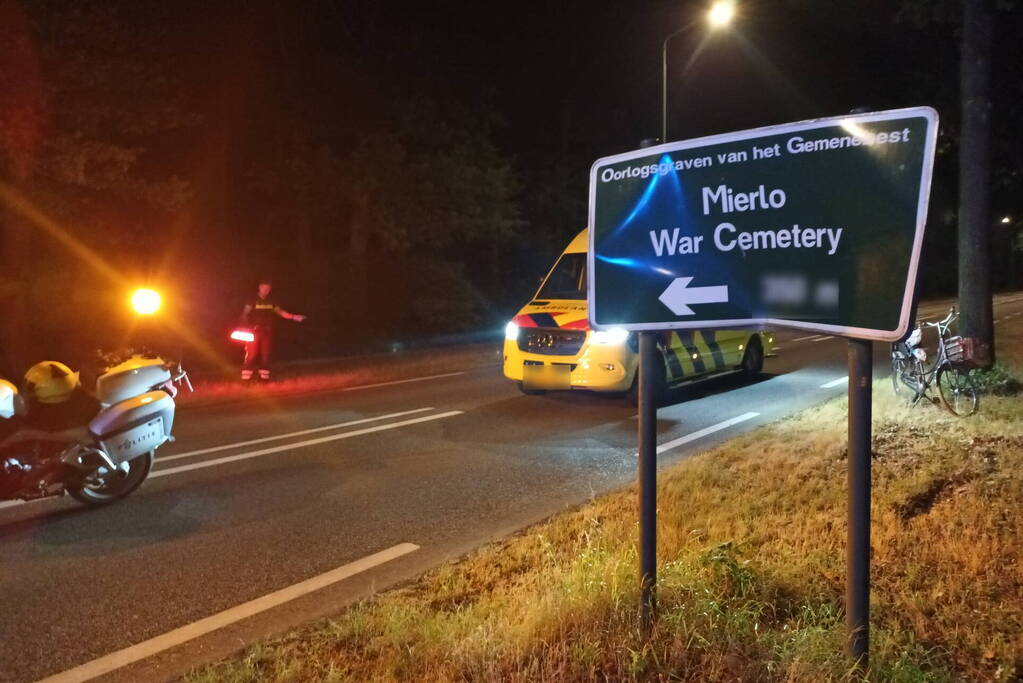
(400, 170)
(437, 213)
(93, 110)
(377, 214)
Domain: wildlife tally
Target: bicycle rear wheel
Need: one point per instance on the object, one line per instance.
(957, 391)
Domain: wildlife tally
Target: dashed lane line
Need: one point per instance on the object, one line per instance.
(303, 432)
(706, 431)
(402, 381)
(835, 382)
(148, 648)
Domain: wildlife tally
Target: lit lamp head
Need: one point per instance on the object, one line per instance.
(146, 301)
(721, 14)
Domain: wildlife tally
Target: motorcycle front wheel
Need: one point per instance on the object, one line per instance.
(102, 487)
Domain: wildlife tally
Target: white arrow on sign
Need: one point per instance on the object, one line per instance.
(679, 294)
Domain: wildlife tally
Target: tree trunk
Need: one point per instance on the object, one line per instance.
(974, 180)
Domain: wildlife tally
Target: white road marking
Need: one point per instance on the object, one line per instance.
(239, 444)
(148, 648)
(402, 381)
(835, 382)
(299, 444)
(159, 473)
(804, 338)
(12, 503)
(821, 338)
(699, 434)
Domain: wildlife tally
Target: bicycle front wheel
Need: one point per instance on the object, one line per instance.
(899, 366)
(957, 391)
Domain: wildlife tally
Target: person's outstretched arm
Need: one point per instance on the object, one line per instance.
(288, 316)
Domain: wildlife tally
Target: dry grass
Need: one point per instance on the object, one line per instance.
(347, 372)
(751, 544)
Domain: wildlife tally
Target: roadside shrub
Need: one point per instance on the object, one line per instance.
(996, 381)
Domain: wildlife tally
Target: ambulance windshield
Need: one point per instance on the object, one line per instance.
(567, 280)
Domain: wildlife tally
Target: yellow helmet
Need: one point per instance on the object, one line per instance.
(50, 382)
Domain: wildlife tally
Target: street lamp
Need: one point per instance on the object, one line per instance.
(719, 16)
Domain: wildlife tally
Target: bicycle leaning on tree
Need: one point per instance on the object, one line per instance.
(949, 371)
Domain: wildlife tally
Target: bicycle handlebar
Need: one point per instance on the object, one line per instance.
(944, 324)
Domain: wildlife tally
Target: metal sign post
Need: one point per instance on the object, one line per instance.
(857, 586)
(816, 225)
(648, 359)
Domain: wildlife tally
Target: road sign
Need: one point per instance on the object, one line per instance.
(815, 225)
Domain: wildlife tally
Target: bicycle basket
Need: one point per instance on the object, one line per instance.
(957, 351)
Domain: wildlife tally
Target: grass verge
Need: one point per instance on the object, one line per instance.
(751, 541)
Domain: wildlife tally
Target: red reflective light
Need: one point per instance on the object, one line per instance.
(243, 335)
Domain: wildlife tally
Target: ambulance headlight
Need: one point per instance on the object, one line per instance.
(511, 332)
(609, 337)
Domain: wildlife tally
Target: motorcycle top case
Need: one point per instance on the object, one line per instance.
(134, 376)
(134, 426)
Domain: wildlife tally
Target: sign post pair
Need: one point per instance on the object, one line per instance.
(816, 226)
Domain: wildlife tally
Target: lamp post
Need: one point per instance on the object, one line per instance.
(718, 16)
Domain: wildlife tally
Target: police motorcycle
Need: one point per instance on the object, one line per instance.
(135, 417)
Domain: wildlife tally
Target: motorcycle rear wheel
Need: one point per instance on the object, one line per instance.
(103, 488)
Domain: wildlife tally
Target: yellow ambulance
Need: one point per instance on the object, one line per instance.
(549, 345)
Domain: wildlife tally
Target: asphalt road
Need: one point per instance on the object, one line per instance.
(445, 463)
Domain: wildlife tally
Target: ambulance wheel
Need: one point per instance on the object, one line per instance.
(530, 392)
(753, 358)
(102, 487)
